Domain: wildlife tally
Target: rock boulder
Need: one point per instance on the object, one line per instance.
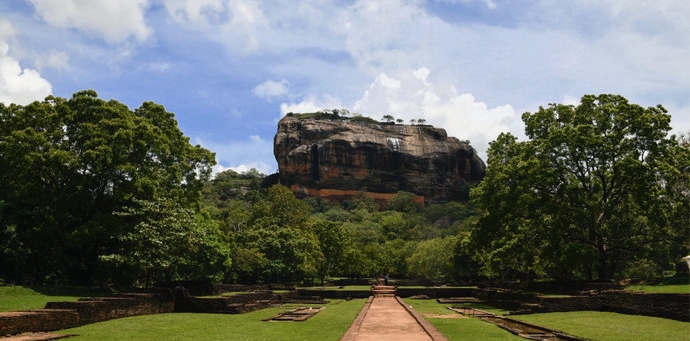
(335, 158)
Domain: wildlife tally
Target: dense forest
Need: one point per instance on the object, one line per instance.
(94, 193)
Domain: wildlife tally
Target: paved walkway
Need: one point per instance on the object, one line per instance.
(385, 318)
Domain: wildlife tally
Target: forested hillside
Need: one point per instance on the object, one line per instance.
(278, 237)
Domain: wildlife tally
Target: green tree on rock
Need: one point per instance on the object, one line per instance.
(585, 196)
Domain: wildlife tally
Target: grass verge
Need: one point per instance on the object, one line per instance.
(13, 298)
(604, 326)
(459, 328)
(329, 324)
(593, 325)
(345, 288)
(661, 289)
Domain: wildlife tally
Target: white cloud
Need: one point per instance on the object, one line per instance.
(113, 21)
(17, 85)
(7, 31)
(242, 155)
(415, 97)
(311, 104)
(269, 90)
(58, 60)
(489, 3)
(236, 24)
(260, 166)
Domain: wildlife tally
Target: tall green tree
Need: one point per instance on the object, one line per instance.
(168, 243)
(586, 196)
(432, 259)
(332, 245)
(279, 233)
(67, 164)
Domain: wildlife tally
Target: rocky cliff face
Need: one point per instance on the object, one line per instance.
(340, 157)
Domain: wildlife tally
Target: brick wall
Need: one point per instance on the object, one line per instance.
(107, 308)
(671, 306)
(63, 315)
(41, 320)
(235, 304)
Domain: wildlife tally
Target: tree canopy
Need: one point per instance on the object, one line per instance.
(67, 164)
(586, 197)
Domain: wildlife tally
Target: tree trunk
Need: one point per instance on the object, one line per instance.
(603, 266)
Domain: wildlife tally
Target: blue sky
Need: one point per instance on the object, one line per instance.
(230, 69)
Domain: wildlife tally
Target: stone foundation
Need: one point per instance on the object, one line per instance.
(64, 315)
(235, 304)
(41, 320)
(670, 306)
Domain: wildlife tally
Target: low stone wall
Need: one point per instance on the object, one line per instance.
(555, 287)
(221, 288)
(671, 306)
(63, 315)
(334, 293)
(437, 292)
(41, 320)
(431, 292)
(235, 304)
(92, 310)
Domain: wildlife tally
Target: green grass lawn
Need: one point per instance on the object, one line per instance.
(460, 329)
(13, 298)
(603, 326)
(329, 324)
(466, 329)
(332, 322)
(600, 326)
(661, 289)
(345, 288)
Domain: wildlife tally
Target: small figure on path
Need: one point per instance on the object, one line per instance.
(385, 278)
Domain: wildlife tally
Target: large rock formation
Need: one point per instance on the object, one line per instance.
(338, 157)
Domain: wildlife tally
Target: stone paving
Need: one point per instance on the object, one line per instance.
(385, 317)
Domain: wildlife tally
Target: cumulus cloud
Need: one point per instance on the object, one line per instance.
(113, 21)
(17, 85)
(311, 104)
(489, 3)
(235, 23)
(242, 155)
(412, 95)
(269, 90)
(58, 60)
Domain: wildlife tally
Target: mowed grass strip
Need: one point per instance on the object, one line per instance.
(593, 325)
(605, 326)
(329, 324)
(459, 328)
(661, 289)
(14, 298)
(473, 329)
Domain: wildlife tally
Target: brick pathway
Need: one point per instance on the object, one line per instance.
(385, 318)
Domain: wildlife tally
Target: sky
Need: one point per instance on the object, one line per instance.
(230, 69)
